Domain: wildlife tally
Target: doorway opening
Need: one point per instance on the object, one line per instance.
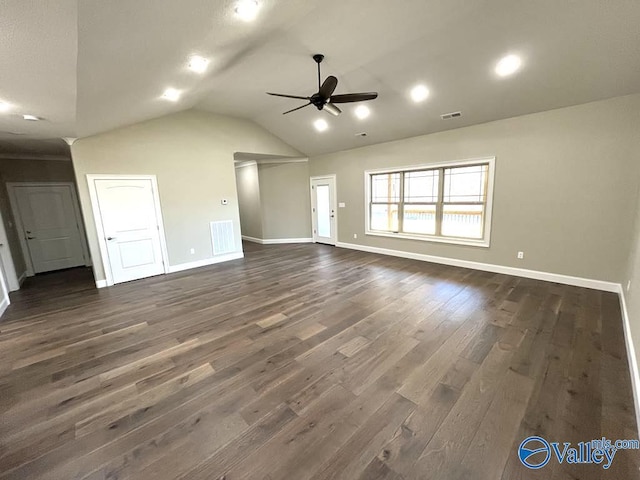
(324, 209)
(128, 219)
(49, 225)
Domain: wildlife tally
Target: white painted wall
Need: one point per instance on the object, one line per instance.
(191, 153)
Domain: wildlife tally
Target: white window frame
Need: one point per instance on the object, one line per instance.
(482, 242)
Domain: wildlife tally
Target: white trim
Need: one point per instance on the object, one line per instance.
(4, 304)
(450, 240)
(631, 355)
(101, 284)
(274, 241)
(482, 242)
(241, 164)
(95, 208)
(203, 263)
(13, 282)
(22, 278)
(252, 239)
(488, 267)
(13, 200)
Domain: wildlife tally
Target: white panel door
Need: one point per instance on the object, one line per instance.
(323, 210)
(50, 225)
(131, 228)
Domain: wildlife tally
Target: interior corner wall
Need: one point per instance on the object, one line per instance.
(631, 281)
(26, 170)
(285, 201)
(249, 200)
(565, 187)
(191, 154)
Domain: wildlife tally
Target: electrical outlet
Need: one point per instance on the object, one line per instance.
(192, 251)
(355, 235)
(520, 255)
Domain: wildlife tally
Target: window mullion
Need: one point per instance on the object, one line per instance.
(439, 207)
(401, 204)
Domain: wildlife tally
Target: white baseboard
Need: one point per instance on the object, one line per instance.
(252, 239)
(488, 267)
(22, 278)
(101, 283)
(274, 241)
(631, 354)
(203, 263)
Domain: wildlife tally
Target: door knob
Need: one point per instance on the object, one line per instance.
(111, 238)
(30, 238)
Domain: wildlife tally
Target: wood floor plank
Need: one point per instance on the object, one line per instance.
(308, 361)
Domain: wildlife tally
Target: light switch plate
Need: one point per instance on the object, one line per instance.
(341, 205)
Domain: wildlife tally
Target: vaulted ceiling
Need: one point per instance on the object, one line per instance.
(90, 66)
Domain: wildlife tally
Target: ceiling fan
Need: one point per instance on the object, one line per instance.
(324, 99)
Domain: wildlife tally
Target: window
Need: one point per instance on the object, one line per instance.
(445, 203)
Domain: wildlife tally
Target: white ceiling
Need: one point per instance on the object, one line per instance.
(89, 66)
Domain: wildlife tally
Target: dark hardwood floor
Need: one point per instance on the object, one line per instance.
(308, 362)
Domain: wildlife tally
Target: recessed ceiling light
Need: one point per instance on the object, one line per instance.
(198, 64)
(321, 124)
(31, 118)
(171, 94)
(247, 10)
(362, 112)
(419, 93)
(508, 65)
(4, 106)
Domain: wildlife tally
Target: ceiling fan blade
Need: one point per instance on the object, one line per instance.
(327, 88)
(332, 109)
(354, 97)
(288, 96)
(297, 108)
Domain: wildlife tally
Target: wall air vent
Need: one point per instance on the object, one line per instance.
(447, 116)
(222, 237)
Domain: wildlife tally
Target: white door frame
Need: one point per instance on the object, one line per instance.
(13, 282)
(97, 219)
(314, 226)
(4, 290)
(13, 199)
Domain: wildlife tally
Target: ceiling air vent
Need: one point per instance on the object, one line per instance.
(447, 116)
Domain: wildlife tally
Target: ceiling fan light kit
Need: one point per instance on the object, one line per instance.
(324, 99)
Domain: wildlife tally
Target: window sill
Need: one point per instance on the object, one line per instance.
(449, 240)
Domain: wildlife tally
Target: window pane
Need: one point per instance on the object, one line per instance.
(465, 184)
(324, 211)
(385, 188)
(462, 221)
(384, 217)
(421, 187)
(419, 219)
